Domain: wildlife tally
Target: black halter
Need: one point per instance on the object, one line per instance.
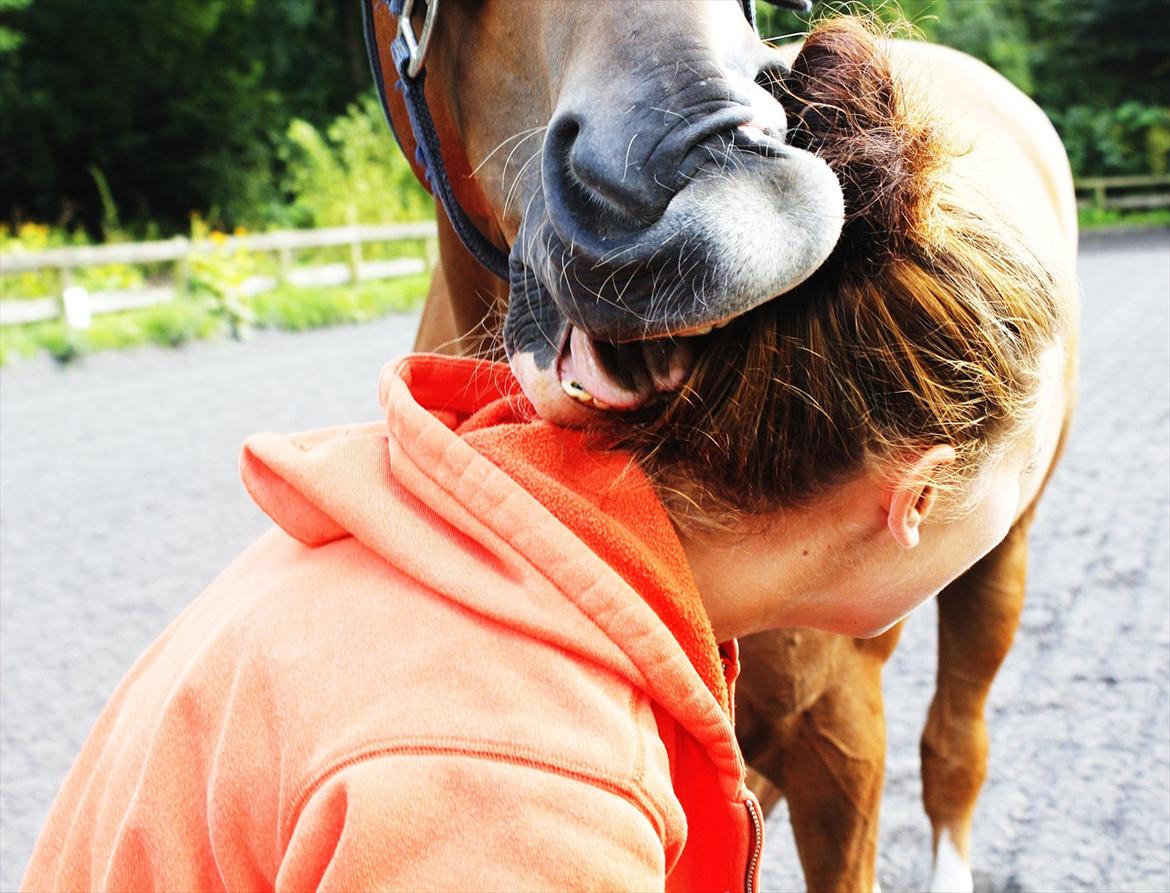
(409, 53)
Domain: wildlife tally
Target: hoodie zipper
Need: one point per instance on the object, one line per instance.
(754, 849)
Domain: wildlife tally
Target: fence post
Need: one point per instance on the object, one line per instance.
(355, 246)
(284, 261)
(66, 284)
(1099, 195)
(182, 268)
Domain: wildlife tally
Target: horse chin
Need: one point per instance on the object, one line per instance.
(543, 388)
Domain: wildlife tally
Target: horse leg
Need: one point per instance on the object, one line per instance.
(832, 775)
(767, 793)
(977, 619)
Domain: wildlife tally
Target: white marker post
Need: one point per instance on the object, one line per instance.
(78, 310)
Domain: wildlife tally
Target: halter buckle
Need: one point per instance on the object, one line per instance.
(417, 47)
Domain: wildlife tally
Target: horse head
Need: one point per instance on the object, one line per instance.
(631, 158)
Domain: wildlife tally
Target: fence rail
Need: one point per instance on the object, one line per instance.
(75, 305)
(1122, 193)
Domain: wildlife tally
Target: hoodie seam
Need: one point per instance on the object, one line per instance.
(632, 790)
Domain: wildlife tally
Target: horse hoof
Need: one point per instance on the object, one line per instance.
(951, 873)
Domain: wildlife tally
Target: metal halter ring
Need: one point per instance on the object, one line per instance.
(417, 47)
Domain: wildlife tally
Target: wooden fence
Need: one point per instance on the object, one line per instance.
(1124, 193)
(76, 305)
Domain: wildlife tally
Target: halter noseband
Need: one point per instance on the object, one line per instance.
(409, 53)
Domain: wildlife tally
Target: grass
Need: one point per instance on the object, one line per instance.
(1091, 218)
(177, 322)
(297, 309)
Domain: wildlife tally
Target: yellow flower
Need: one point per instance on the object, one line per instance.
(218, 238)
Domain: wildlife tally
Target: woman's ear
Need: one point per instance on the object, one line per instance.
(913, 495)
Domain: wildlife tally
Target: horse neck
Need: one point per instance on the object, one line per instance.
(465, 303)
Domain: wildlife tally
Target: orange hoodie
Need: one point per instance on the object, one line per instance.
(471, 657)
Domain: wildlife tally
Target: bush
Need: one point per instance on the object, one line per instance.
(176, 322)
(354, 172)
(33, 237)
(62, 342)
(1132, 139)
(1103, 218)
(297, 309)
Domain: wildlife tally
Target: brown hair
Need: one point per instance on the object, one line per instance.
(924, 327)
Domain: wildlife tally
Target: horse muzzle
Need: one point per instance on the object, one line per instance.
(642, 259)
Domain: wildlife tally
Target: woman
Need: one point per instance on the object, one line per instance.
(480, 651)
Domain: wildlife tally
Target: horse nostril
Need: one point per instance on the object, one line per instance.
(583, 171)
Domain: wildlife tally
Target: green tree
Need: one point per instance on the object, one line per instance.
(1099, 68)
(180, 105)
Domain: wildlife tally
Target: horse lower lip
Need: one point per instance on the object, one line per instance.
(583, 364)
(651, 368)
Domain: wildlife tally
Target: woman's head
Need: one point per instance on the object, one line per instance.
(926, 327)
(917, 373)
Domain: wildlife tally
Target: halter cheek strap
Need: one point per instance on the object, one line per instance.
(409, 53)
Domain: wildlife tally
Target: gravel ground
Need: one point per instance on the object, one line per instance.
(120, 501)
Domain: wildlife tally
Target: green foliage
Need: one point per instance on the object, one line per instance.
(297, 309)
(176, 322)
(62, 343)
(1131, 139)
(1101, 72)
(218, 277)
(10, 39)
(32, 237)
(180, 105)
(167, 325)
(1091, 218)
(18, 342)
(353, 172)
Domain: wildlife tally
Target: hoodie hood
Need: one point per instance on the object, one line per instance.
(578, 525)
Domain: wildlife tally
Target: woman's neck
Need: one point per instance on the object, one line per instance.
(775, 573)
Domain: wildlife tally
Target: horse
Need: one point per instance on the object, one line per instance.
(579, 145)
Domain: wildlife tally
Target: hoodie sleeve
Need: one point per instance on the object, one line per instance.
(463, 822)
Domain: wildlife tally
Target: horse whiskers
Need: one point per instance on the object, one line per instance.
(523, 133)
(508, 160)
(519, 174)
(626, 169)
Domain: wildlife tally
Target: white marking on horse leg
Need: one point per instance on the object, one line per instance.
(877, 886)
(951, 873)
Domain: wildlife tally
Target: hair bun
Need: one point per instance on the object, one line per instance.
(847, 107)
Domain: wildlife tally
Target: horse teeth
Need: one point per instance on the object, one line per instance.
(576, 391)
